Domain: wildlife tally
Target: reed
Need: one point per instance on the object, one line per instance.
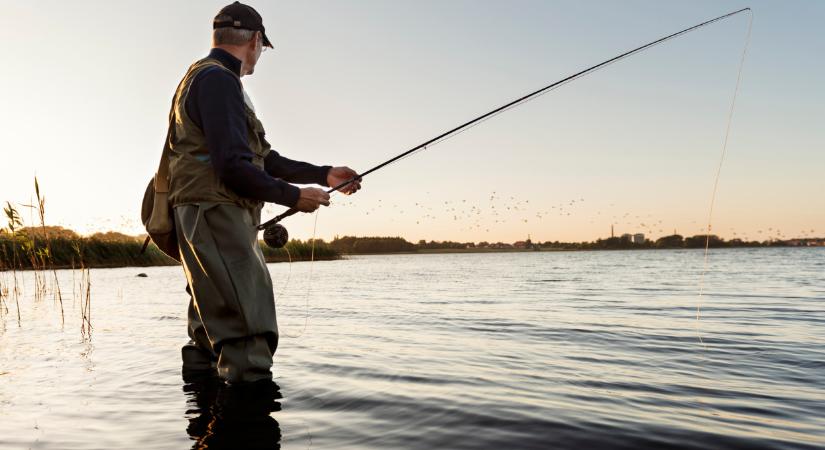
(86, 303)
(28, 248)
(34, 255)
(13, 224)
(85, 289)
(46, 253)
(4, 289)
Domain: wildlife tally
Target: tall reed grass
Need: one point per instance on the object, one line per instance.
(33, 248)
(37, 247)
(41, 250)
(14, 223)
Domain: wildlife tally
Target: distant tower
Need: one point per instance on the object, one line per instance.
(611, 230)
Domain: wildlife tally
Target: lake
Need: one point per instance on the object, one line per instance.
(566, 350)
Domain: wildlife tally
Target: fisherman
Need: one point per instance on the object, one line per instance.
(222, 170)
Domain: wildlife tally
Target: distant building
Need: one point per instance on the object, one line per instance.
(639, 238)
(627, 236)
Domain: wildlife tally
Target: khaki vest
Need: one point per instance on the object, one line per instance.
(192, 178)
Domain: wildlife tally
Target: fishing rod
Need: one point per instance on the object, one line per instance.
(275, 235)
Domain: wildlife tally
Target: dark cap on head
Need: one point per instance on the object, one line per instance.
(242, 17)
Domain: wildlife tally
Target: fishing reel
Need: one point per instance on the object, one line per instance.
(275, 235)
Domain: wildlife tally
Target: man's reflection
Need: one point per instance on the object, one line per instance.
(232, 417)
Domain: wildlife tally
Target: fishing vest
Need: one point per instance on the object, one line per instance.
(192, 178)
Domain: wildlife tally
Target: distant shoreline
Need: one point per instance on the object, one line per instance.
(63, 249)
(551, 250)
(167, 262)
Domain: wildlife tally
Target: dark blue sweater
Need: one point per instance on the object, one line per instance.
(216, 104)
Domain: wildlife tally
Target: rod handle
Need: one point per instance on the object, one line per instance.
(292, 211)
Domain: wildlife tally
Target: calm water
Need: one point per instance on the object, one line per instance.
(520, 350)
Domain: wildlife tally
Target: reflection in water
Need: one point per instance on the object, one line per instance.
(86, 354)
(231, 417)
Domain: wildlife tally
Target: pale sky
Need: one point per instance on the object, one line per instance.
(87, 86)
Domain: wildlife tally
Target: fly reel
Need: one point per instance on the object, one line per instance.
(275, 235)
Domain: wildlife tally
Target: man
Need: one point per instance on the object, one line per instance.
(222, 170)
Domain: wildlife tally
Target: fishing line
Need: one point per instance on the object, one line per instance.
(288, 276)
(500, 109)
(309, 279)
(718, 172)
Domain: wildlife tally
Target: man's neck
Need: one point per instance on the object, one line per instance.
(237, 52)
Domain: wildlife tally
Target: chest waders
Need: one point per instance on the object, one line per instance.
(231, 318)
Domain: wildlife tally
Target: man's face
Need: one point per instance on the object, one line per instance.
(254, 52)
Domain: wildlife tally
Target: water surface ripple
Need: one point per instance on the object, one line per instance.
(564, 350)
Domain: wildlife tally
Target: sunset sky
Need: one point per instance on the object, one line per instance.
(87, 87)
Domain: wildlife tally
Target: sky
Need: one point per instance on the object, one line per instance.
(87, 86)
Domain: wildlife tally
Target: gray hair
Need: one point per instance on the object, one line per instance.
(230, 36)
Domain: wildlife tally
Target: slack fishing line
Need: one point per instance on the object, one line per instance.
(308, 281)
(718, 173)
(276, 236)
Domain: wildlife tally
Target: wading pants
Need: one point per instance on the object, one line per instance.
(231, 316)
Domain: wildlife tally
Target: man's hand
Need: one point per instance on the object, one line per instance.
(338, 175)
(311, 198)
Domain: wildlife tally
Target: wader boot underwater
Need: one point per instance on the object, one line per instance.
(199, 361)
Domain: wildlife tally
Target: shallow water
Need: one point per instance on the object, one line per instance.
(511, 350)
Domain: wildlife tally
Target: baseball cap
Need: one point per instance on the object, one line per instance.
(242, 17)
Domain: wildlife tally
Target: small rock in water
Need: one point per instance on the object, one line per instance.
(142, 275)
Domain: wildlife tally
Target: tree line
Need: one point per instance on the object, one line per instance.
(31, 247)
(364, 245)
(53, 246)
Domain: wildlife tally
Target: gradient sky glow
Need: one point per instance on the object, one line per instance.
(87, 86)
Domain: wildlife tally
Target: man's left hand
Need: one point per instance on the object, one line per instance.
(338, 175)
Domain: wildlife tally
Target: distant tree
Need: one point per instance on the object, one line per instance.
(672, 241)
(351, 244)
(112, 236)
(435, 245)
(700, 240)
(53, 232)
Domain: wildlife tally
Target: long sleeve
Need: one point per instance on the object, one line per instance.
(295, 171)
